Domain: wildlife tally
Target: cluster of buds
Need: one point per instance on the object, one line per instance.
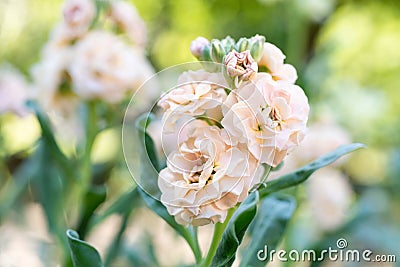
(239, 59)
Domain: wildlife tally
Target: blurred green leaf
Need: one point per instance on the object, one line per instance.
(233, 234)
(302, 174)
(127, 201)
(93, 199)
(83, 254)
(269, 227)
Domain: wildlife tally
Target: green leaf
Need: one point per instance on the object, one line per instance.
(149, 163)
(93, 199)
(304, 172)
(233, 234)
(127, 202)
(268, 228)
(83, 254)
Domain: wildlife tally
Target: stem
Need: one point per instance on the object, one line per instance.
(91, 131)
(218, 231)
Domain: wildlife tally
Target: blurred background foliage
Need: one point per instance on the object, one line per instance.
(346, 53)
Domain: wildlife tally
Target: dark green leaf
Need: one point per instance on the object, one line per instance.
(83, 254)
(93, 198)
(303, 173)
(269, 226)
(234, 232)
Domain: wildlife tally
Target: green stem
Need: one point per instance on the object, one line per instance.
(91, 131)
(218, 231)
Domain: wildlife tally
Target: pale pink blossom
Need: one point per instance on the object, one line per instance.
(14, 92)
(128, 19)
(269, 116)
(199, 93)
(240, 65)
(78, 16)
(273, 59)
(205, 177)
(104, 67)
(197, 46)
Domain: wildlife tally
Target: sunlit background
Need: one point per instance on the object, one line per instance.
(347, 55)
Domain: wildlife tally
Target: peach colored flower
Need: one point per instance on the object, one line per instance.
(205, 177)
(78, 15)
(199, 93)
(197, 46)
(240, 65)
(104, 67)
(273, 59)
(14, 92)
(330, 197)
(269, 116)
(128, 19)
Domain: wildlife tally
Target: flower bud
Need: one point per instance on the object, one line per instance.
(240, 65)
(242, 45)
(217, 51)
(257, 47)
(197, 46)
(228, 43)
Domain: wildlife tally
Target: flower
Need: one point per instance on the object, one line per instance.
(330, 196)
(269, 116)
(127, 18)
(198, 93)
(240, 65)
(205, 177)
(104, 67)
(273, 58)
(14, 92)
(78, 15)
(197, 46)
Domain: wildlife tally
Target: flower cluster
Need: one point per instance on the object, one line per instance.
(240, 112)
(83, 61)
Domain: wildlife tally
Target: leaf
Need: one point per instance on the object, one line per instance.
(83, 254)
(127, 202)
(157, 207)
(93, 198)
(149, 162)
(234, 232)
(304, 172)
(268, 228)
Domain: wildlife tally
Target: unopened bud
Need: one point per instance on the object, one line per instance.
(242, 45)
(217, 51)
(197, 46)
(257, 47)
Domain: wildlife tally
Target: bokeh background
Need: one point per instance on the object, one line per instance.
(347, 55)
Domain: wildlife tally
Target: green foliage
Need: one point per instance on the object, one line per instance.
(83, 254)
(303, 173)
(268, 227)
(234, 232)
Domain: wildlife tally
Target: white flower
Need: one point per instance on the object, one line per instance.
(273, 58)
(205, 177)
(78, 15)
(199, 93)
(127, 18)
(14, 92)
(269, 116)
(104, 67)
